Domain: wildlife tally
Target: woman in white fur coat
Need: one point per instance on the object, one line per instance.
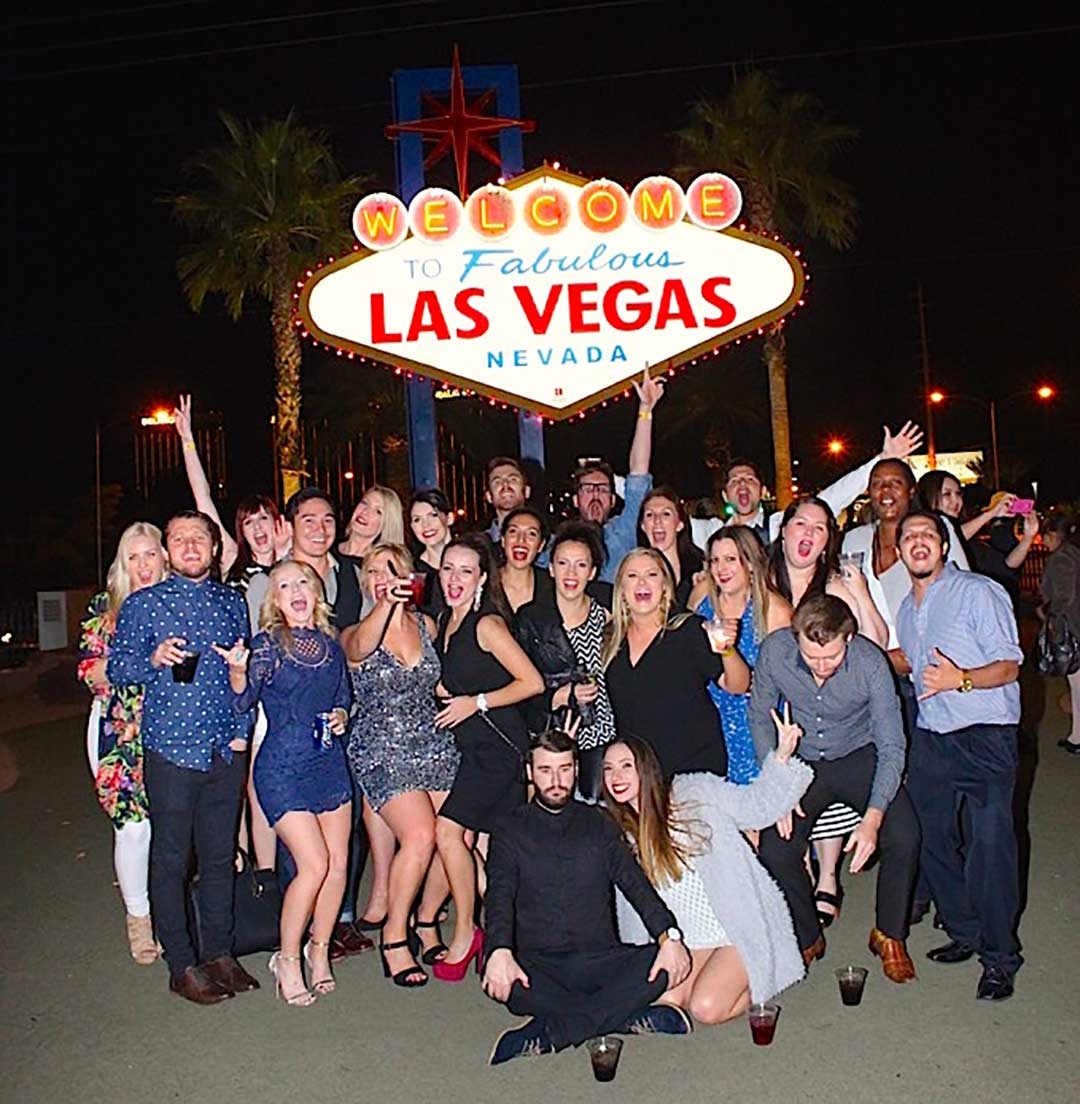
(687, 835)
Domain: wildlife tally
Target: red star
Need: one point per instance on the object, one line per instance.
(460, 127)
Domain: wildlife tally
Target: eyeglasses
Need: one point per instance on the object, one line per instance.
(596, 489)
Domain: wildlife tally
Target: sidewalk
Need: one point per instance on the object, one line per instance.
(78, 1020)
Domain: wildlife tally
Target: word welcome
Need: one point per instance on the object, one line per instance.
(547, 207)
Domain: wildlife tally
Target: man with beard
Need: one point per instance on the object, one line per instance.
(507, 489)
(195, 752)
(552, 951)
(958, 631)
(594, 484)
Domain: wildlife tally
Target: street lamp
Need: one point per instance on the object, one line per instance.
(835, 446)
(1044, 392)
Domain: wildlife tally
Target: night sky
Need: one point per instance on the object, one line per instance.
(965, 174)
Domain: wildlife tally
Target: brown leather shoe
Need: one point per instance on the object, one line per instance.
(815, 951)
(348, 940)
(229, 974)
(895, 960)
(194, 985)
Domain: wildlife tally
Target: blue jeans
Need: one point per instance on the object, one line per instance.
(961, 784)
(200, 807)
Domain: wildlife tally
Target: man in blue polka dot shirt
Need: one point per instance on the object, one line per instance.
(195, 751)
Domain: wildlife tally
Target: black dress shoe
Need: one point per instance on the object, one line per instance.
(1070, 747)
(994, 985)
(229, 974)
(951, 952)
(194, 985)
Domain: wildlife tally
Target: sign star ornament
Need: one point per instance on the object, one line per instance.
(549, 293)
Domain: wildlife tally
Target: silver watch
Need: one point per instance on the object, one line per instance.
(481, 703)
(674, 934)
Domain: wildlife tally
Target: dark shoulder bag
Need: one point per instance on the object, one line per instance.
(1057, 649)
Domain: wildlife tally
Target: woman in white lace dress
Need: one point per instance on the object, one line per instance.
(687, 835)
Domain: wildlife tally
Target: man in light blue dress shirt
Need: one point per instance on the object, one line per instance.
(959, 633)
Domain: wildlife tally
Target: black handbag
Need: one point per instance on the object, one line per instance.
(256, 909)
(1057, 649)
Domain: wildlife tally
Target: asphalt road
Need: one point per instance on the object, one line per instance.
(79, 1021)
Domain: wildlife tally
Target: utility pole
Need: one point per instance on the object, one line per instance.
(931, 447)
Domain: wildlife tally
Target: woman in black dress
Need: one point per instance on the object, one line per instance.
(658, 668)
(485, 674)
(524, 535)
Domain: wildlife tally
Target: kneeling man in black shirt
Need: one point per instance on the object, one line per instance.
(553, 953)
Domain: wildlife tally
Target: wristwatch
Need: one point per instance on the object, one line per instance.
(966, 685)
(481, 703)
(674, 934)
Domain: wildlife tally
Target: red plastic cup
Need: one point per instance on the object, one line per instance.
(762, 1019)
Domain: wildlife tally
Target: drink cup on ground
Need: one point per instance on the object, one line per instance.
(604, 1053)
(851, 980)
(762, 1019)
(184, 671)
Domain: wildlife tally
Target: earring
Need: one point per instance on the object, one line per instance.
(478, 598)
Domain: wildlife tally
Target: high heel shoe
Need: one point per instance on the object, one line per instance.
(305, 997)
(321, 985)
(836, 900)
(431, 955)
(412, 977)
(456, 971)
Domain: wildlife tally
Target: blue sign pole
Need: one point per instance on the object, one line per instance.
(407, 85)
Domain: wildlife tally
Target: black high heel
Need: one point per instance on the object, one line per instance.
(431, 955)
(401, 978)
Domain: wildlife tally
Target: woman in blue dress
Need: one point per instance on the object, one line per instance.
(297, 670)
(735, 593)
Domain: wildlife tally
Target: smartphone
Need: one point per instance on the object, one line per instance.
(1021, 506)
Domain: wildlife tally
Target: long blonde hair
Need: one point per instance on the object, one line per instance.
(663, 839)
(620, 608)
(272, 620)
(754, 560)
(118, 581)
(393, 519)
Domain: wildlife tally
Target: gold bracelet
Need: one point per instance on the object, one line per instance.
(644, 415)
(189, 445)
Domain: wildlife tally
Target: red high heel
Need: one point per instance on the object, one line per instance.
(456, 971)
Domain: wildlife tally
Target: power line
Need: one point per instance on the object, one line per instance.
(205, 28)
(500, 17)
(83, 16)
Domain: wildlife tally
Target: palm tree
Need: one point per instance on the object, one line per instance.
(266, 204)
(780, 147)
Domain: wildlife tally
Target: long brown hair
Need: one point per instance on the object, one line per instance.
(652, 829)
(756, 564)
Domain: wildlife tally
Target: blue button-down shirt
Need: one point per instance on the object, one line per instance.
(620, 533)
(968, 618)
(183, 722)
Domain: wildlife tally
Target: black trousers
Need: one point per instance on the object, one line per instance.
(848, 780)
(962, 785)
(580, 994)
(200, 807)
(590, 781)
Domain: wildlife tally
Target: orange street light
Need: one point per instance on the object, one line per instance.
(835, 446)
(1045, 392)
(937, 396)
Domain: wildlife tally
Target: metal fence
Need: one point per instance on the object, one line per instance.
(18, 621)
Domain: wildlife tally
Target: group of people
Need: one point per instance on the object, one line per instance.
(629, 752)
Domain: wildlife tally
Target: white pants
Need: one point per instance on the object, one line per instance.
(131, 842)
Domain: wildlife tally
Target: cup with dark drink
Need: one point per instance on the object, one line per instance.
(184, 671)
(417, 588)
(851, 980)
(604, 1053)
(762, 1019)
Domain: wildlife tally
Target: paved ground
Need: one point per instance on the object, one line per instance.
(79, 1021)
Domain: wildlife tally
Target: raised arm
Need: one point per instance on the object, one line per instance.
(650, 392)
(771, 795)
(362, 639)
(895, 446)
(200, 485)
(1016, 557)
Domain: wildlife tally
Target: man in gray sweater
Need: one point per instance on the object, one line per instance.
(842, 694)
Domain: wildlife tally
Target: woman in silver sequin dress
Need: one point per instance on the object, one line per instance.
(403, 764)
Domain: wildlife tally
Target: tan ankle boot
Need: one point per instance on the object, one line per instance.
(140, 931)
